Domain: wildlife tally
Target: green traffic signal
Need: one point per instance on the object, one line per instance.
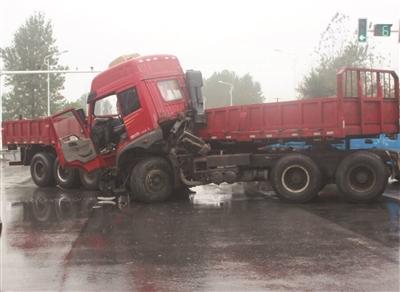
(362, 30)
(382, 29)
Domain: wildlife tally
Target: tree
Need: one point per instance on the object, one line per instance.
(32, 42)
(245, 90)
(81, 102)
(338, 47)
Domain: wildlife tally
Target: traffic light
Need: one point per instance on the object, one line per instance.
(382, 29)
(362, 30)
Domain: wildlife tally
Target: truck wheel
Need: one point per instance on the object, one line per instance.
(296, 178)
(361, 177)
(42, 169)
(65, 177)
(151, 180)
(90, 180)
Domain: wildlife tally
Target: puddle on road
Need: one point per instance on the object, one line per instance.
(224, 194)
(58, 208)
(212, 195)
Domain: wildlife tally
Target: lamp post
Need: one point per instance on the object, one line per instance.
(47, 61)
(230, 90)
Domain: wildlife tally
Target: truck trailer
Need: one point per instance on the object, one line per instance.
(147, 133)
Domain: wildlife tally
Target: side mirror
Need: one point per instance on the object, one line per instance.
(194, 84)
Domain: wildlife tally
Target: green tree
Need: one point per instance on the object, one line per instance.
(32, 42)
(245, 89)
(338, 47)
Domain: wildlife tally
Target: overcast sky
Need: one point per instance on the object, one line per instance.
(205, 35)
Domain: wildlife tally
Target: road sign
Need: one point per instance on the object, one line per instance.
(362, 30)
(382, 29)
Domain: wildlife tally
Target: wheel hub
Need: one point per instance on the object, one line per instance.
(362, 178)
(155, 180)
(295, 178)
(39, 169)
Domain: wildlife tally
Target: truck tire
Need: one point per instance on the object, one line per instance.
(296, 178)
(90, 180)
(66, 178)
(42, 164)
(151, 180)
(361, 177)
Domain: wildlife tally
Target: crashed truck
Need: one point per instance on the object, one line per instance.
(147, 133)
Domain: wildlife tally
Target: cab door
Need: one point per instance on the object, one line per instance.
(135, 113)
(74, 146)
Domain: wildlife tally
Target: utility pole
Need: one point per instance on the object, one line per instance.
(47, 61)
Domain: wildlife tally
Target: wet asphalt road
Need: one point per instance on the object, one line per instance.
(221, 238)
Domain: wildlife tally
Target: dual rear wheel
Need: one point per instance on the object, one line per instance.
(46, 171)
(360, 177)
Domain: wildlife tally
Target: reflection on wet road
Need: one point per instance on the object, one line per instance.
(220, 238)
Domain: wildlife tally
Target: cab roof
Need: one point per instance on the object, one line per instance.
(131, 71)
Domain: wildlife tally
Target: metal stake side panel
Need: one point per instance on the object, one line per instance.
(367, 104)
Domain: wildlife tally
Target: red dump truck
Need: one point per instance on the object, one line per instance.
(147, 132)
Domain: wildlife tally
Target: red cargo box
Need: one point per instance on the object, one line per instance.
(38, 131)
(367, 103)
(21, 132)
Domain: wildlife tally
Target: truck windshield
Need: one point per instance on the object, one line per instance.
(106, 106)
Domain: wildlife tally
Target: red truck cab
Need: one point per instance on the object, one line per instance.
(131, 100)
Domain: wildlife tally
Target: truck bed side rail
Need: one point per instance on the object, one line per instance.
(369, 101)
(367, 83)
(366, 105)
(23, 132)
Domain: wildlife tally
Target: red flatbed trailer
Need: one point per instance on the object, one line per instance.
(337, 117)
(161, 139)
